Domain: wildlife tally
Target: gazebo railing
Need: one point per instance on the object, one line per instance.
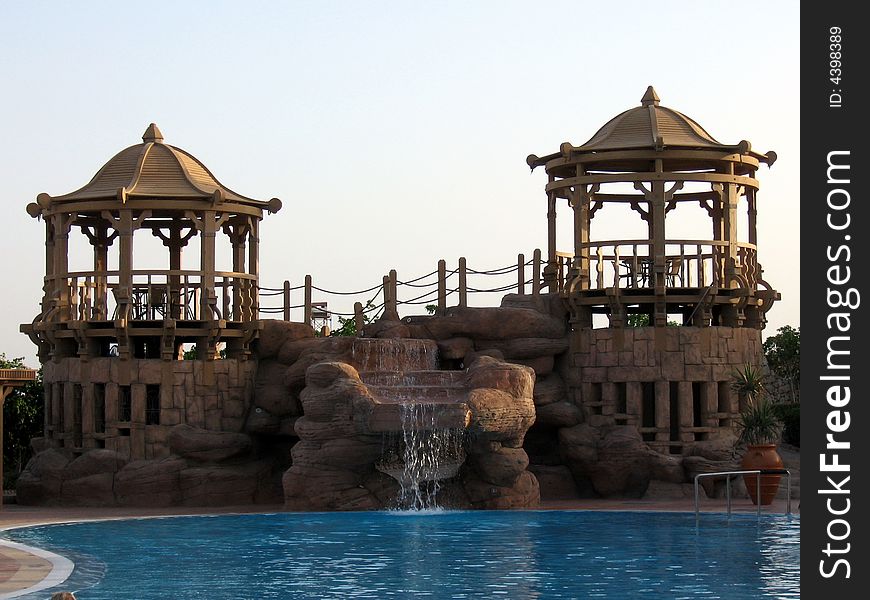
(628, 264)
(155, 295)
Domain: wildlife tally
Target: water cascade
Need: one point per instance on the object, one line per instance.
(424, 456)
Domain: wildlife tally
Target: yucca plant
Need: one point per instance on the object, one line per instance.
(758, 423)
(748, 382)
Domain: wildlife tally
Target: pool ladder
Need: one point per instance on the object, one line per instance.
(728, 474)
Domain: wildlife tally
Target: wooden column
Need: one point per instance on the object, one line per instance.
(657, 221)
(582, 225)
(61, 224)
(552, 268)
(48, 283)
(175, 241)
(100, 239)
(124, 227)
(238, 234)
(752, 210)
(729, 224)
(207, 264)
(254, 264)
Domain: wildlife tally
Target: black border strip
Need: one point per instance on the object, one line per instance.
(835, 229)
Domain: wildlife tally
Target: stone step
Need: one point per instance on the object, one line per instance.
(386, 418)
(421, 394)
(370, 354)
(414, 378)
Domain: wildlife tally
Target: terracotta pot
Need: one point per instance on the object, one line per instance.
(763, 456)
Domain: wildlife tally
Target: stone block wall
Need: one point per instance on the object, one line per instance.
(672, 383)
(129, 406)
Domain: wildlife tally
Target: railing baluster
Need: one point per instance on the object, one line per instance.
(616, 266)
(235, 316)
(599, 268)
(286, 300)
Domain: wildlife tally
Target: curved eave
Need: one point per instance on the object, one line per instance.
(83, 192)
(570, 152)
(209, 189)
(141, 200)
(159, 207)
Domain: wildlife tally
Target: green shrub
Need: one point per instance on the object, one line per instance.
(790, 415)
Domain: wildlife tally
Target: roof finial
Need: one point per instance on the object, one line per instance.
(152, 134)
(650, 97)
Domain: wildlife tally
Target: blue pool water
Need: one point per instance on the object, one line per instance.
(463, 554)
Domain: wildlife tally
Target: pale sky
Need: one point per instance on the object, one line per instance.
(395, 133)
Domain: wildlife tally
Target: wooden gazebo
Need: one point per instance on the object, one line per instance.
(663, 159)
(146, 313)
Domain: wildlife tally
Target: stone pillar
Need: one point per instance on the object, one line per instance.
(68, 412)
(709, 403)
(137, 421)
(634, 402)
(687, 417)
(663, 411)
(88, 440)
(609, 398)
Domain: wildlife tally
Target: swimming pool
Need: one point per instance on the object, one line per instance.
(461, 554)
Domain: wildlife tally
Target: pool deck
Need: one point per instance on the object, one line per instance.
(21, 569)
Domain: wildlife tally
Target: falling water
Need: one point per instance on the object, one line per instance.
(428, 455)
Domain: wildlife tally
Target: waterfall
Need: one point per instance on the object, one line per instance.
(428, 456)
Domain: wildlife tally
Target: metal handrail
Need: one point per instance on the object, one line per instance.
(728, 474)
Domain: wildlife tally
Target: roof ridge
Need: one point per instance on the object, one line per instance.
(140, 163)
(184, 170)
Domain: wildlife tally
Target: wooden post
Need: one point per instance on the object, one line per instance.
(307, 309)
(62, 224)
(521, 274)
(552, 267)
(358, 319)
(536, 272)
(753, 215)
(442, 287)
(463, 287)
(254, 264)
(238, 234)
(4, 391)
(286, 300)
(394, 295)
(49, 282)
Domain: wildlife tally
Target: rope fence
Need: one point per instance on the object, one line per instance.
(430, 289)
